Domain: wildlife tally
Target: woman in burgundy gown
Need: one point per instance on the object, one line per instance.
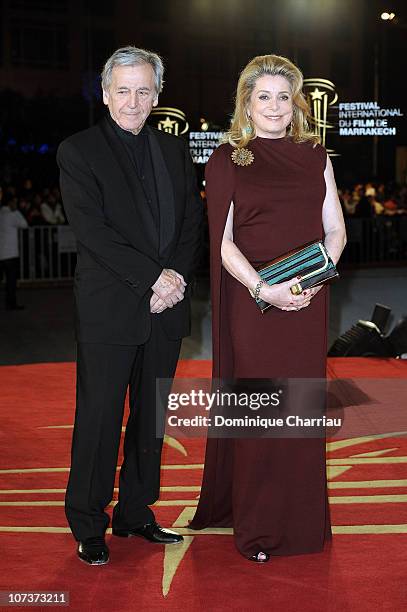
(272, 491)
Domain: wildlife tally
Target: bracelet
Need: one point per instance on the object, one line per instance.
(255, 293)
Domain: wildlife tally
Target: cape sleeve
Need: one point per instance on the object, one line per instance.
(220, 188)
(322, 154)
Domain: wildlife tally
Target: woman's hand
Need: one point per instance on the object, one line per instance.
(280, 296)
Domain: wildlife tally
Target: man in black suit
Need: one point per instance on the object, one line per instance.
(130, 195)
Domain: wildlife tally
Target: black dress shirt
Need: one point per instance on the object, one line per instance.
(139, 151)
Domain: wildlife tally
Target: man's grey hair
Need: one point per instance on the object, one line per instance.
(132, 56)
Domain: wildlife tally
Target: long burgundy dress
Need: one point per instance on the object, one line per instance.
(272, 491)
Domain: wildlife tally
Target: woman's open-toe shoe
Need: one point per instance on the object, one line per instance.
(260, 557)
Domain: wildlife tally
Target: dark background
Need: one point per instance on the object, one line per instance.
(52, 52)
(51, 55)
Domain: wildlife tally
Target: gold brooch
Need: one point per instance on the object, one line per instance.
(242, 157)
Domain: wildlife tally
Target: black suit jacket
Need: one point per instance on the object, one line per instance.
(121, 253)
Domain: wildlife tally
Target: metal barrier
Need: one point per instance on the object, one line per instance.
(48, 253)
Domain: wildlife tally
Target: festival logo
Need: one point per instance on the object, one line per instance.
(321, 96)
(367, 119)
(171, 120)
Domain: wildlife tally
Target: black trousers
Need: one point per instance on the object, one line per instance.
(103, 374)
(10, 268)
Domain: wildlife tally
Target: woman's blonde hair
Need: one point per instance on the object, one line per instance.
(242, 129)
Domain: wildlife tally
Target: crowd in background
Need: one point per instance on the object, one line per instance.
(371, 199)
(25, 203)
(41, 206)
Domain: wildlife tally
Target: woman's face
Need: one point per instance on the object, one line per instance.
(271, 106)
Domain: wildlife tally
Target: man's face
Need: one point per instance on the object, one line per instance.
(131, 96)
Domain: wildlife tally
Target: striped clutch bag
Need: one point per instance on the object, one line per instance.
(310, 261)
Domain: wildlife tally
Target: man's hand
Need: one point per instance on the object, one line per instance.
(169, 287)
(157, 305)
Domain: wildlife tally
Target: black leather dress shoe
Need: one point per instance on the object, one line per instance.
(151, 532)
(93, 551)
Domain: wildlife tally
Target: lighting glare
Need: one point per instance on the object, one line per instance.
(387, 16)
(204, 124)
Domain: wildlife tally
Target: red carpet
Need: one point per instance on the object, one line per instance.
(365, 568)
